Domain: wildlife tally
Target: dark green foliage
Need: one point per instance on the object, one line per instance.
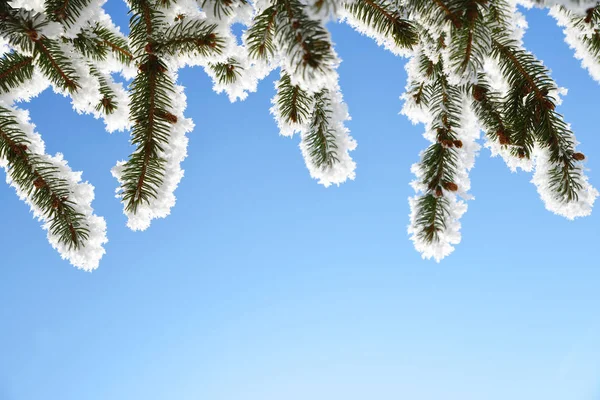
(55, 64)
(471, 42)
(488, 106)
(590, 23)
(439, 162)
(451, 38)
(150, 108)
(386, 20)
(65, 11)
(188, 37)
(15, 70)
(150, 102)
(437, 12)
(320, 138)
(261, 35)
(293, 102)
(221, 8)
(227, 72)
(432, 216)
(304, 41)
(108, 103)
(530, 106)
(23, 29)
(40, 182)
(96, 42)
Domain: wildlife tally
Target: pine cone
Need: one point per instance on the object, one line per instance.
(589, 14)
(33, 35)
(503, 139)
(579, 156)
(549, 105)
(149, 48)
(171, 118)
(39, 182)
(479, 93)
(472, 14)
(451, 186)
(167, 116)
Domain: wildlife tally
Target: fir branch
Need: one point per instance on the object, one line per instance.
(221, 8)
(188, 37)
(40, 182)
(150, 103)
(21, 27)
(65, 11)
(320, 137)
(304, 41)
(227, 72)
(488, 107)
(146, 25)
(55, 64)
(24, 31)
(432, 213)
(261, 33)
(108, 104)
(97, 41)
(386, 20)
(530, 81)
(15, 70)
(470, 43)
(588, 30)
(293, 103)
(434, 11)
(439, 163)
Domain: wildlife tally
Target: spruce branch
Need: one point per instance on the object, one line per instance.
(436, 12)
(39, 180)
(227, 72)
(582, 33)
(188, 37)
(437, 170)
(471, 42)
(386, 20)
(261, 34)
(143, 172)
(222, 8)
(320, 137)
(150, 108)
(293, 102)
(589, 26)
(304, 41)
(488, 106)
(15, 70)
(96, 42)
(530, 81)
(65, 11)
(24, 31)
(108, 104)
(55, 64)
(75, 47)
(431, 216)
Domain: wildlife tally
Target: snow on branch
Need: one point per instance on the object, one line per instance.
(468, 72)
(54, 192)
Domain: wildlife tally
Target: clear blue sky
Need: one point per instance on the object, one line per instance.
(263, 285)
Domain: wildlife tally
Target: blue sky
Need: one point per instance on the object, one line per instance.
(263, 285)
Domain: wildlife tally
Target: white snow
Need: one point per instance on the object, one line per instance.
(289, 59)
(82, 194)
